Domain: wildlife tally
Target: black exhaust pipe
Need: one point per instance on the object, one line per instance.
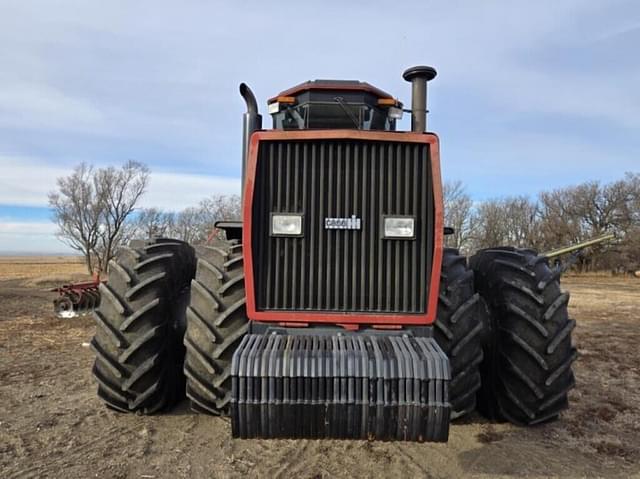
(251, 121)
(419, 76)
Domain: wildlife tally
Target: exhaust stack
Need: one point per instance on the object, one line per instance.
(251, 121)
(419, 76)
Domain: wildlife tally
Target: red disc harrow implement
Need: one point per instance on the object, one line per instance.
(77, 299)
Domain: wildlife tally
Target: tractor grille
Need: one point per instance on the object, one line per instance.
(346, 270)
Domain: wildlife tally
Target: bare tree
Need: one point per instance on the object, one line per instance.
(509, 221)
(153, 222)
(458, 214)
(193, 225)
(631, 240)
(521, 216)
(217, 208)
(491, 220)
(91, 208)
(121, 190)
(187, 226)
(577, 213)
(565, 216)
(558, 223)
(633, 180)
(77, 211)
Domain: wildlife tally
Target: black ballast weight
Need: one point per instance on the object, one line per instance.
(351, 386)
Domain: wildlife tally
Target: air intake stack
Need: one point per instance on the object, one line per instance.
(419, 76)
(251, 121)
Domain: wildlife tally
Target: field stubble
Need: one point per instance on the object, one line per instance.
(51, 422)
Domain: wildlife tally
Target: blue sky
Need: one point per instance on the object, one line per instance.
(529, 95)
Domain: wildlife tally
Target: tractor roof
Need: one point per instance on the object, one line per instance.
(335, 85)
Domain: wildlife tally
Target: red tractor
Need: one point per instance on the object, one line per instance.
(333, 309)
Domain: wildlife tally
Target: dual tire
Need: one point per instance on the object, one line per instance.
(513, 355)
(458, 330)
(503, 322)
(526, 373)
(143, 332)
(139, 322)
(216, 323)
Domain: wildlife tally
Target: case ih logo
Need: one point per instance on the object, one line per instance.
(352, 223)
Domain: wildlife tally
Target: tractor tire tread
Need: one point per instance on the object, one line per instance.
(216, 323)
(458, 330)
(138, 352)
(526, 374)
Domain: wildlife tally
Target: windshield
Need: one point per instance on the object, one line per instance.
(337, 114)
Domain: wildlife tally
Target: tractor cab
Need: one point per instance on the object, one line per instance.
(334, 104)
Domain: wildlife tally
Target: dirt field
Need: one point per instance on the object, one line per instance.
(52, 424)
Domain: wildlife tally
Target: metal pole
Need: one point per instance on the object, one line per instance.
(251, 121)
(575, 247)
(419, 76)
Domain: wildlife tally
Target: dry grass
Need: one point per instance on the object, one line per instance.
(604, 297)
(62, 268)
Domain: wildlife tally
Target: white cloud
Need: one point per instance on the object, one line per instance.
(174, 191)
(514, 166)
(29, 237)
(41, 106)
(173, 73)
(77, 77)
(27, 181)
(148, 76)
(8, 227)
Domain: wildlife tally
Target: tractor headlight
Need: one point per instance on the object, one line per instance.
(395, 113)
(286, 224)
(399, 227)
(274, 108)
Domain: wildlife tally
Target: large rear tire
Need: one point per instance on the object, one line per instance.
(458, 330)
(140, 323)
(216, 322)
(526, 374)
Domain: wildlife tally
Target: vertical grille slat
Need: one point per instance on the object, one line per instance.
(320, 235)
(311, 222)
(286, 208)
(345, 270)
(339, 206)
(278, 208)
(397, 270)
(382, 171)
(304, 258)
(414, 247)
(428, 237)
(364, 245)
(389, 194)
(357, 186)
(346, 239)
(408, 164)
(421, 262)
(373, 226)
(329, 240)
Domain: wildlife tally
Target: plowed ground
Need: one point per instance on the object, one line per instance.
(52, 424)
